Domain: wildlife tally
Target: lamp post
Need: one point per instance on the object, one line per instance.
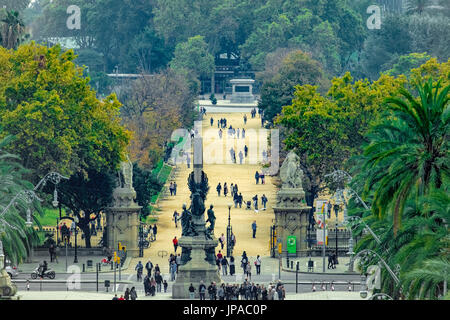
(229, 248)
(141, 240)
(75, 220)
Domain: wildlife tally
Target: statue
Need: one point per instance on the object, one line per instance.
(186, 223)
(212, 221)
(126, 174)
(290, 172)
(197, 205)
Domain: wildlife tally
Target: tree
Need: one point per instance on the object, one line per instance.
(328, 130)
(406, 63)
(59, 123)
(194, 57)
(408, 150)
(155, 106)
(146, 185)
(12, 30)
(17, 239)
(87, 194)
(298, 68)
(16, 5)
(417, 6)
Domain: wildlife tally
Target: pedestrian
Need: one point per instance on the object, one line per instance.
(165, 285)
(232, 190)
(126, 295)
(147, 285)
(255, 202)
(191, 292)
(152, 286)
(218, 188)
(254, 229)
(158, 279)
(175, 218)
(222, 240)
(175, 243)
(330, 261)
(233, 240)
(221, 292)
(188, 160)
(237, 133)
(240, 199)
(220, 133)
(155, 230)
(174, 188)
(232, 266)
(211, 291)
(257, 177)
(225, 189)
(202, 290)
(262, 177)
(241, 157)
(149, 267)
(244, 261)
(258, 264)
(139, 268)
(173, 270)
(248, 270)
(133, 293)
(178, 261)
(245, 119)
(264, 201)
(212, 121)
(245, 151)
(224, 263)
(52, 252)
(171, 188)
(157, 269)
(236, 200)
(121, 297)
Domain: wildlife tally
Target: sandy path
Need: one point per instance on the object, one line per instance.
(243, 175)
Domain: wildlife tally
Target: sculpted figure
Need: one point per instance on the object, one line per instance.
(290, 172)
(211, 219)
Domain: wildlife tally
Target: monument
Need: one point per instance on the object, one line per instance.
(242, 91)
(7, 288)
(122, 218)
(197, 242)
(291, 211)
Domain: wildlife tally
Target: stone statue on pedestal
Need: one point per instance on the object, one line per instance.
(290, 172)
(187, 229)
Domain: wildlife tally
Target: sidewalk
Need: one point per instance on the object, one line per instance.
(60, 267)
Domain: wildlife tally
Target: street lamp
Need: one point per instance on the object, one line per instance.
(229, 248)
(141, 240)
(76, 220)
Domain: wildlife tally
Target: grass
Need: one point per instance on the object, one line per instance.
(50, 216)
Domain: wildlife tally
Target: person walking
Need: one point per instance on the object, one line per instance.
(235, 199)
(224, 263)
(255, 202)
(159, 280)
(173, 270)
(133, 294)
(202, 290)
(258, 265)
(241, 157)
(171, 188)
(155, 230)
(262, 177)
(240, 199)
(152, 286)
(222, 241)
(218, 188)
(243, 133)
(188, 160)
(254, 229)
(248, 270)
(225, 189)
(176, 215)
(191, 292)
(139, 268)
(212, 121)
(264, 201)
(175, 243)
(174, 188)
(245, 119)
(232, 266)
(257, 177)
(165, 285)
(126, 294)
(149, 267)
(244, 261)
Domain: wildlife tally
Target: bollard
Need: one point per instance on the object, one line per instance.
(292, 265)
(84, 268)
(287, 259)
(99, 267)
(112, 265)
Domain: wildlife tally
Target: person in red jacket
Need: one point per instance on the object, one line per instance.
(175, 243)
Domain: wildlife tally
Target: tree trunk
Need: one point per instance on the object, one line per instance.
(85, 227)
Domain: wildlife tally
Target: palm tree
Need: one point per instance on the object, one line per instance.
(12, 30)
(417, 6)
(408, 149)
(17, 239)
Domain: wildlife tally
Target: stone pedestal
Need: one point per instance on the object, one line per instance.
(291, 219)
(198, 268)
(122, 221)
(242, 91)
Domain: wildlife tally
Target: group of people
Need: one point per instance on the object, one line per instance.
(246, 291)
(173, 188)
(153, 281)
(130, 294)
(260, 176)
(222, 123)
(150, 232)
(255, 200)
(332, 261)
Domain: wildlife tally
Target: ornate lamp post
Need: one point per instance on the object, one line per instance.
(141, 240)
(229, 248)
